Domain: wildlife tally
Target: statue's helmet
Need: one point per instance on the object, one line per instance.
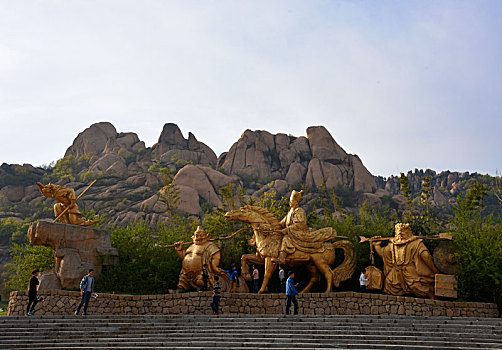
(296, 196)
(200, 235)
(404, 230)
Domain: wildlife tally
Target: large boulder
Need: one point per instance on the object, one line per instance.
(323, 145)
(259, 157)
(92, 140)
(109, 164)
(12, 193)
(76, 249)
(188, 200)
(173, 147)
(206, 181)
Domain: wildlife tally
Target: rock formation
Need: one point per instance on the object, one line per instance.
(76, 250)
(131, 176)
(259, 157)
(172, 146)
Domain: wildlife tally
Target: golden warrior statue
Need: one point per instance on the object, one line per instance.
(67, 200)
(297, 235)
(408, 264)
(201, 252)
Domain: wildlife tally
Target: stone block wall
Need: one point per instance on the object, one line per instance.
(60, 302)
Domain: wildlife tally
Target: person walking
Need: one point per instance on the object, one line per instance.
(256, 278)
(291, 293)
(86, 289)
(215, 303)
(32, 292)
(282, 278)
(205, 277)
(362, 281)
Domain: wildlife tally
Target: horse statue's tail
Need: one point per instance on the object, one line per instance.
(345, 270)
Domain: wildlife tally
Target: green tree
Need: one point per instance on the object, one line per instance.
(25, 258)
(145, 266)
(478, 243)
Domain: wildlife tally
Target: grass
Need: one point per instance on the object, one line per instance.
(3, 305)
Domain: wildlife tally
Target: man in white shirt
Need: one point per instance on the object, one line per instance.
(282, 278)
(362, 281)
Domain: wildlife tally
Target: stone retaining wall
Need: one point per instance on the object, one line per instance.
(60, 302)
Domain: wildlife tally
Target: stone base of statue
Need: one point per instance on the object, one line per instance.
(76, 250)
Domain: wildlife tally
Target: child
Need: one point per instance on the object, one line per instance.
(215, 303)
(32, 292)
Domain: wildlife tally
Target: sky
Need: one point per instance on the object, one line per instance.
(402, 84)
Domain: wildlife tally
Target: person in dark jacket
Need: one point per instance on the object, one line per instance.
(215, 303)
(291, 293)
(205, 277)
(32, 292)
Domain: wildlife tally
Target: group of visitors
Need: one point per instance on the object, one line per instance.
(87, 288)
(86, 291)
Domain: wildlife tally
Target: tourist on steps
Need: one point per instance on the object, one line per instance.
(291, 293)
(86, 289)
(215, 303)
(362, 281)
(32, 292)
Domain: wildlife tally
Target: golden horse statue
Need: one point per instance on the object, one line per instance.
(268, 236)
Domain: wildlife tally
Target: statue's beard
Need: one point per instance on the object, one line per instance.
(402, 238)
(200, 240)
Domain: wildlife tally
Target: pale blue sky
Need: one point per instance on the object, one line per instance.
(403, 84)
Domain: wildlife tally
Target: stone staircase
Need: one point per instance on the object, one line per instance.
(249, 332)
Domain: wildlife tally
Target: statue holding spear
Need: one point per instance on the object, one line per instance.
(408, 265)
(66, 210)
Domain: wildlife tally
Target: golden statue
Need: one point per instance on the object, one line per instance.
(201, 252)
(66, 210)
(408, 264)
(297, 234)
(292, 243)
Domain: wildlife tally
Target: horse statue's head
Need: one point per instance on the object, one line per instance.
(266, 227)
(255, 216)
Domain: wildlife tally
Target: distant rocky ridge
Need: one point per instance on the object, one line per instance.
(129, 186)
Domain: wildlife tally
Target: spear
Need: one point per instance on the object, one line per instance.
(443, 235)
(68, 207)
(212, 239)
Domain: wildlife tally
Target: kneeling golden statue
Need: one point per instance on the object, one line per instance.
(408, 264)
(66, 210)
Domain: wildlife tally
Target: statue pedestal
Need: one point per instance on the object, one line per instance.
(76, 250)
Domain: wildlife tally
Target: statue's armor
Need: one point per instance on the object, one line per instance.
(405, 270)
(195, 257)
(300, 236)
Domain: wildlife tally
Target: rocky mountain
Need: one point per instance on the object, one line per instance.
(259, 157)
(131, 177)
